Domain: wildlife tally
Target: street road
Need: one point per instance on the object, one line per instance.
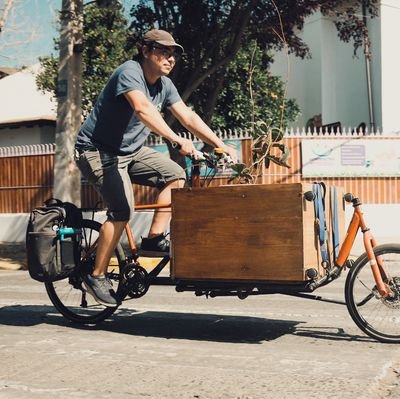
(177, 346)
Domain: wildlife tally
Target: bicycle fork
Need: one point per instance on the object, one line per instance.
(376, 262)
(377, 265)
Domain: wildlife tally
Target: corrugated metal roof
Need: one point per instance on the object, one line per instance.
(21, 100)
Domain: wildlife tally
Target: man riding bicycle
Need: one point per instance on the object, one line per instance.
(110, 149)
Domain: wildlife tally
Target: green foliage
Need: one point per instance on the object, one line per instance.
(216, 35)
(46, 80)
(214, 32)
(105, 46)
(224, 71)
(252, 95)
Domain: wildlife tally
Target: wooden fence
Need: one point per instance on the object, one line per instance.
(26, 174)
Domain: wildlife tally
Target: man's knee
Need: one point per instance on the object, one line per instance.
(177, 183)
(121, 214)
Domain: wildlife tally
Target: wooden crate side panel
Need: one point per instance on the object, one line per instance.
(238, 232)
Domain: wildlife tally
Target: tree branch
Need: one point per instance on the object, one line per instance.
(7, 9)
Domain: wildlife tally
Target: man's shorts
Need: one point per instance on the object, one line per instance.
(113, 175)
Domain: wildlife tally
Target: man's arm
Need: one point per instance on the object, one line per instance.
(192, 122)
(150, 117)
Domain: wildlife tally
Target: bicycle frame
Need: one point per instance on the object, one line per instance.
(128, 231)
(194, 182)
(358, 223)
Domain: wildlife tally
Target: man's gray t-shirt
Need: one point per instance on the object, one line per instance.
(113, 125)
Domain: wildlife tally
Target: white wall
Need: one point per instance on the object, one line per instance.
(333, 82)
(390, 64)
(27, 135)
(13, 225)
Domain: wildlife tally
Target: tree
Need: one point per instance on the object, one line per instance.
(4, 13)
(104, 46)
(213, 32)
(216, 35)
(100, 46)
(252, 94)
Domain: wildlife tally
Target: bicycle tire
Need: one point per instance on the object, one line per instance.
(376, 316)
(69, 295)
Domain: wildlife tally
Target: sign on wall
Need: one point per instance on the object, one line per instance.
(350, 157)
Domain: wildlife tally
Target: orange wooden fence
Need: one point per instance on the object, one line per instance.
(26, 176)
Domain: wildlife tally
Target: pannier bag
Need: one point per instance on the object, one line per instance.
(53, 240)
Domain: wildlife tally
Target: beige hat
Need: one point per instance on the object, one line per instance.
(161, 37)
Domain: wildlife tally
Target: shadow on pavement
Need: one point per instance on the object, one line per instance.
(174, 325)
(331, 334)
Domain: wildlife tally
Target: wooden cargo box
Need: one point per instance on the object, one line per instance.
(244, 232)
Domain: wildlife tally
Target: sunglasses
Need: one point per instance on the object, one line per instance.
(167, 52)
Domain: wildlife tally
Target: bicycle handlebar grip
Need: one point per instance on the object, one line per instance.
(219, 151)
(348, 197)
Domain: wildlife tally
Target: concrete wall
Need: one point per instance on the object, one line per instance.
(27, 135)
(13, 225)
(390, 61)
(333, 82)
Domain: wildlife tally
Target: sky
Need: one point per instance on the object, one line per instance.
(29, 30)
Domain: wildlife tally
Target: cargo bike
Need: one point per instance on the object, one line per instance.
(244, 240)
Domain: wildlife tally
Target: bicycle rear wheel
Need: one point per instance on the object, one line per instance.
(378, 317)
(69, 296)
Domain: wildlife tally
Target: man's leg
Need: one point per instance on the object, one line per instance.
(110, 233)
(151, 168)
(109, 174)
(162, 216)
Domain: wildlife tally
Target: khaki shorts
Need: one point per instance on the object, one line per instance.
(113, 175)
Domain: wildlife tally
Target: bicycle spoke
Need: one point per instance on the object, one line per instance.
(376, 315)
(69, 295)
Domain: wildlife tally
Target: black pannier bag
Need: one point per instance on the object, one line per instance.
(53, 240)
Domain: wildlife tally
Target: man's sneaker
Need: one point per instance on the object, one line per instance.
(101, 289)
(155, 246)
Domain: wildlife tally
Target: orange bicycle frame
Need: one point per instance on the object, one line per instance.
(376, 263)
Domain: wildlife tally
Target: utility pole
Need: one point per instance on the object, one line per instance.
(368, 56)
(66, 174)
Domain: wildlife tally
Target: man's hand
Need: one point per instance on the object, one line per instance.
(186, 146)
(231, 152)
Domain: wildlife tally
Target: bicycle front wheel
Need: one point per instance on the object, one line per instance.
(69, 296)
(377, 316)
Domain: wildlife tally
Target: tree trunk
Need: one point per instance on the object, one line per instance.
(66, 174)
(239, 19)
(213, 98)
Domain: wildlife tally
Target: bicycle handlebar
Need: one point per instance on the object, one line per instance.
(218, 158)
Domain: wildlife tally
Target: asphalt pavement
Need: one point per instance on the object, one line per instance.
(170, 345)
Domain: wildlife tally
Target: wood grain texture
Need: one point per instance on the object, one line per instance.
(244, 232)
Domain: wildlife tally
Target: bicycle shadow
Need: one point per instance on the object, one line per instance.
(175, 325)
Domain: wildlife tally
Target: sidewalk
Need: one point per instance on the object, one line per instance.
(12, 256)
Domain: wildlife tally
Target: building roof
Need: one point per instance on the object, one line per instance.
(21, 101)
(5, 71)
